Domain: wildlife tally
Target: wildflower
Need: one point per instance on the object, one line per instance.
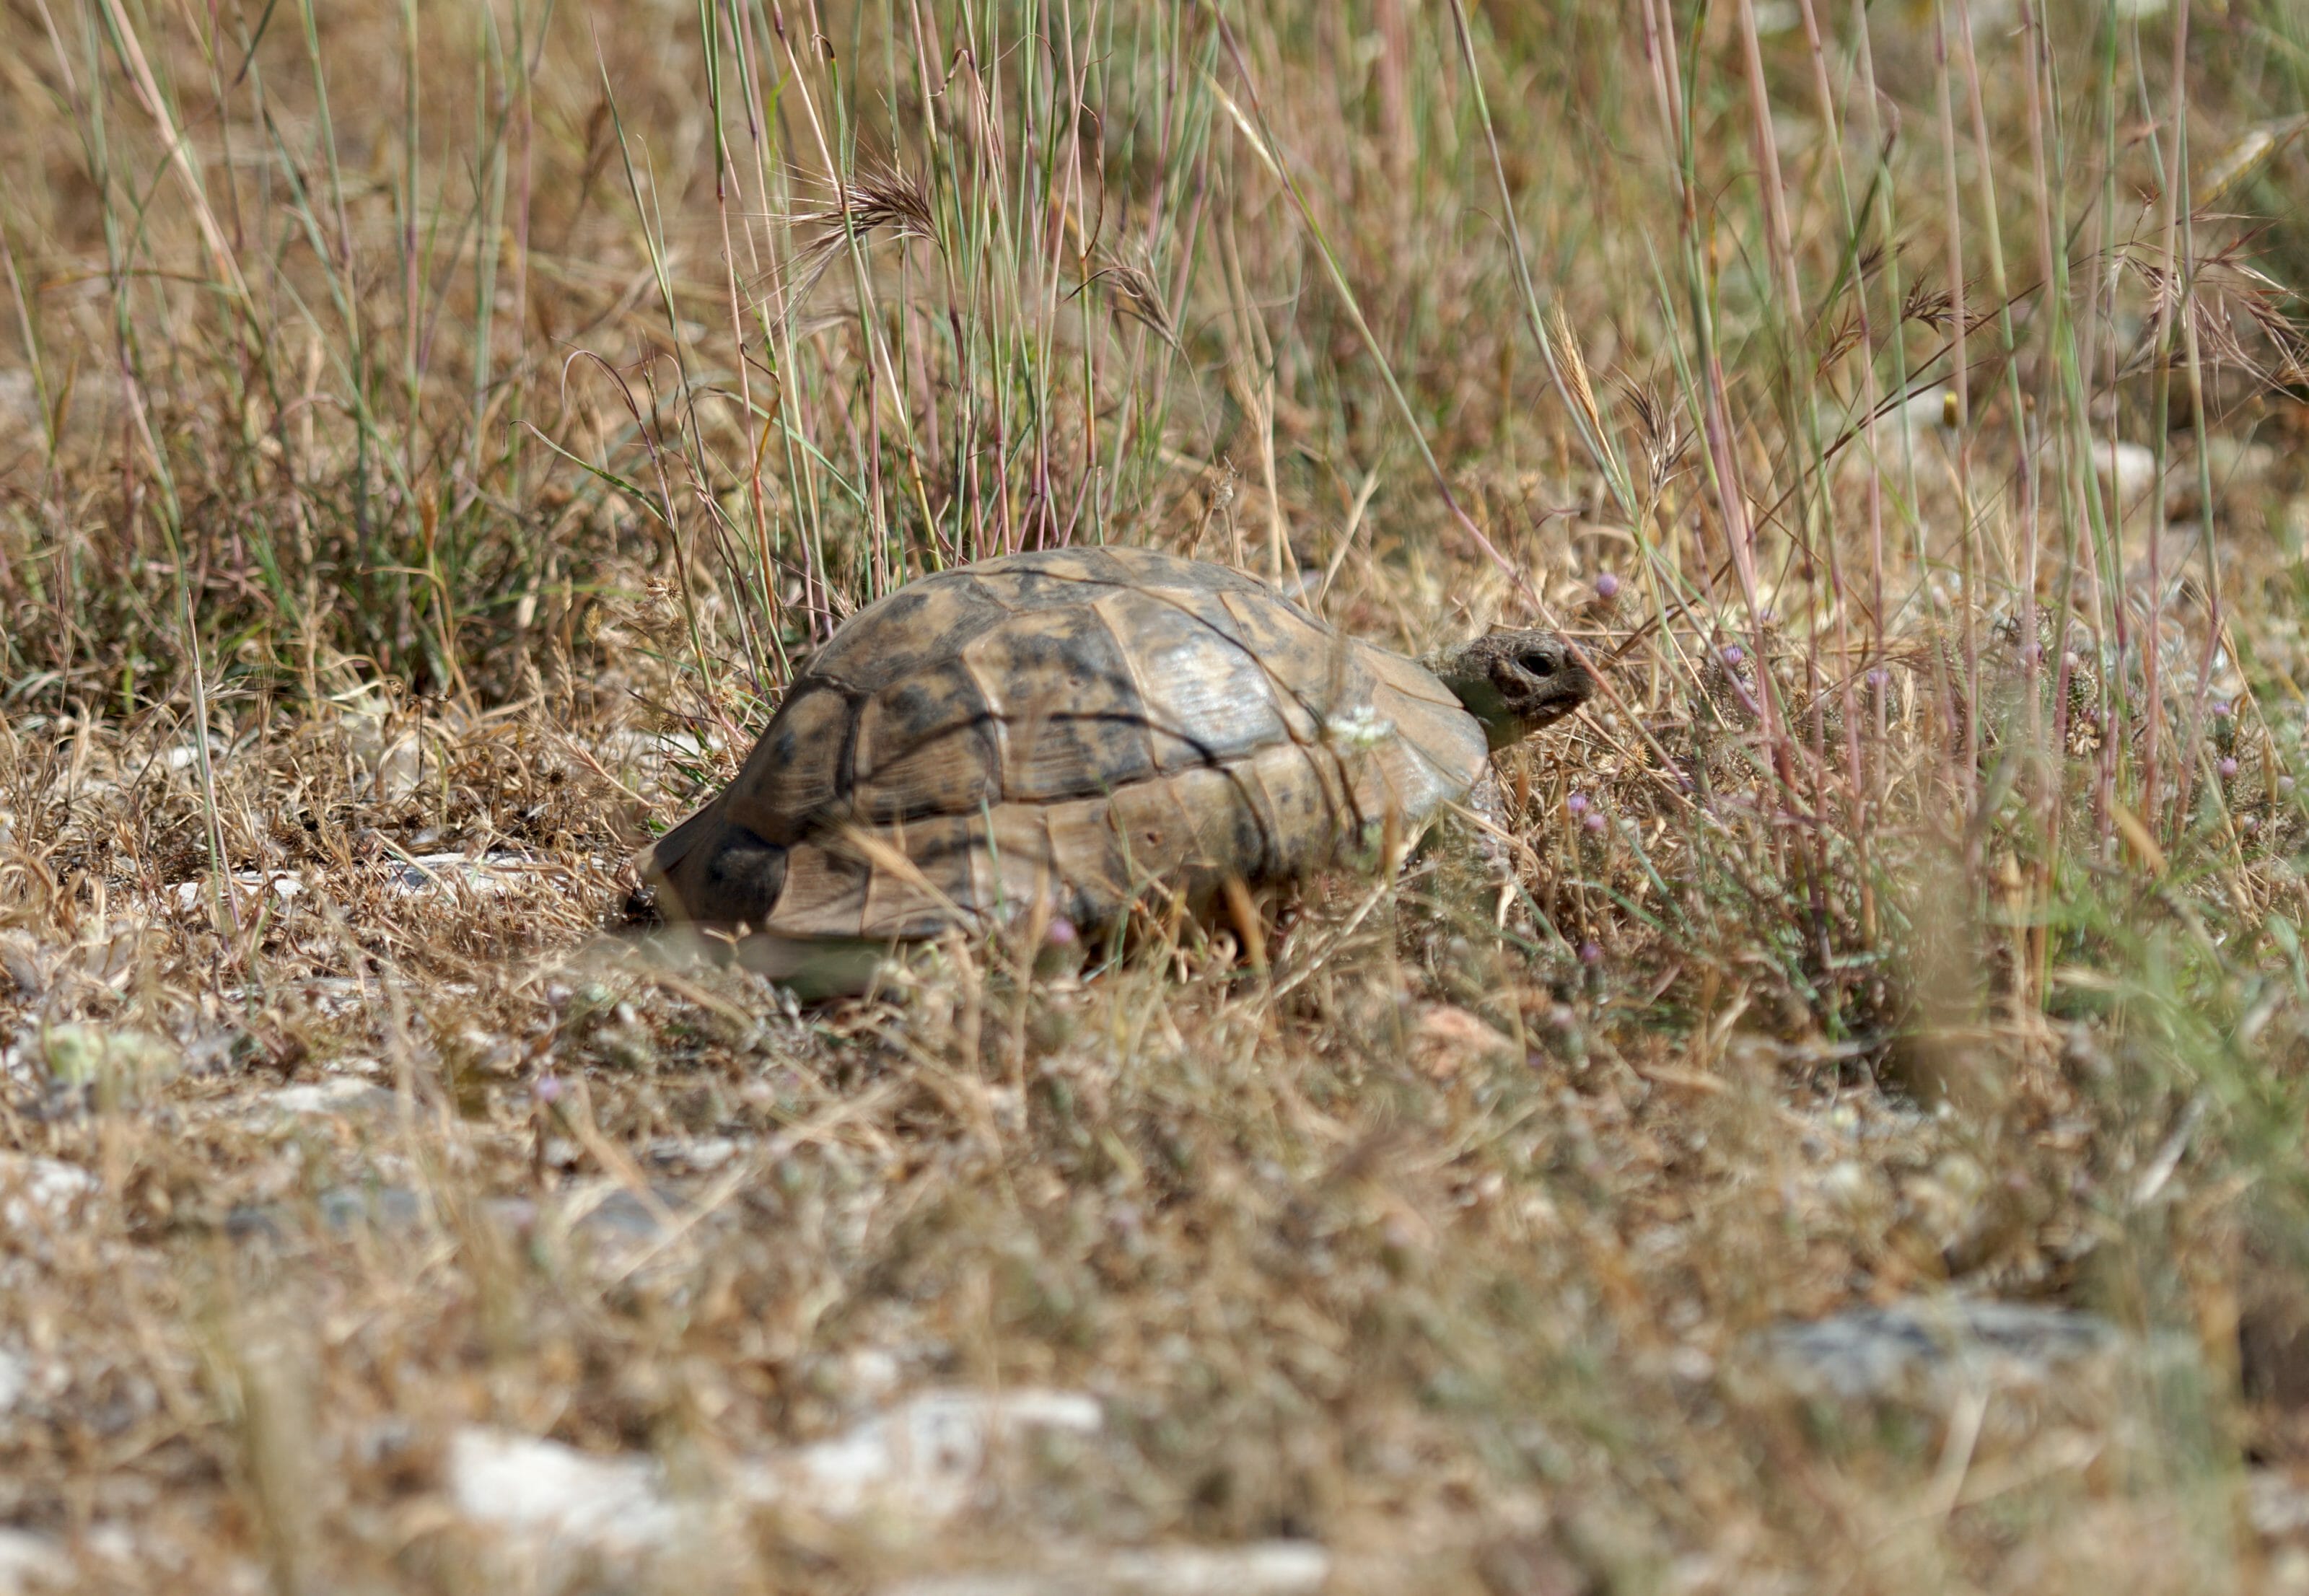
(547, 1090)
(1577, 803)
(2228, 767)
(1607, 587)
(1591, 954)
(1594, 821)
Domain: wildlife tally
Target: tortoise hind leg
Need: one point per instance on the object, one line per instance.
(717, 872)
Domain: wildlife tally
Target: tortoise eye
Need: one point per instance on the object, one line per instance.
(1538, 661)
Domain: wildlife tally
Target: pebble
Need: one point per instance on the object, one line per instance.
(922, 1457)
(918, 1461)
(43, 1191)
(339, 1094)
(1261, 1568)
(1923, 1345)
(616, 1506)
(31, 1562)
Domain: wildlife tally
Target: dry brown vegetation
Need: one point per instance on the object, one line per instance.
(428, 434)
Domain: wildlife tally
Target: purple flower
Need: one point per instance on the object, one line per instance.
(1591, 954)
(1577, 803)
(1594, 822)
(1879, 678)
(2221, 709)
(2228, 767)
(547, 1088)
(1734, 653)
(1060, 932)
(1607, 587)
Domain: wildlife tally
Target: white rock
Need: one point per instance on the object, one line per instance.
(29, 1562)
(572, 1500)
(922, 1457)
(871, 1374)
(1929, 1345)
(280, 884)
(919, 1459)
(2129, 468)
(339, 1094)
(492, 875)
(1262, 1568)
(40, 1190)
(2276, 1505)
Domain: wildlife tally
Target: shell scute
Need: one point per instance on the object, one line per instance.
(1205, 699)
(1451, 744)
(796, 769)
(825, 894)
(1037, 580)
(929, 743)
(1322, 671)
(1302, 806)
(908, 631)
(922, 872)
(1074, 721)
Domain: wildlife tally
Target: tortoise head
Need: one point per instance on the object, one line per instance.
(1515, 682)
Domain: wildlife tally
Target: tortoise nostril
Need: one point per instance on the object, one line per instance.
(1540, 662)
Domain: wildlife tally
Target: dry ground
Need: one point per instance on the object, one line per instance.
(425, 445)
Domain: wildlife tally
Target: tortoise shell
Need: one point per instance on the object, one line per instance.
(1074, 725)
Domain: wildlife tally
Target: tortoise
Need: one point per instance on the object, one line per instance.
(1071, 724)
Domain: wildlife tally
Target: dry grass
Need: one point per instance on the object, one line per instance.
(430, 434)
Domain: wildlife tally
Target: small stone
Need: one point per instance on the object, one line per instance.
(40, 1191)
(346, 1095)
(567, 1499)
(1930, 1346)
(1261, 1568)
(31, 1562)
(922, 1458)
(2129, 468)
